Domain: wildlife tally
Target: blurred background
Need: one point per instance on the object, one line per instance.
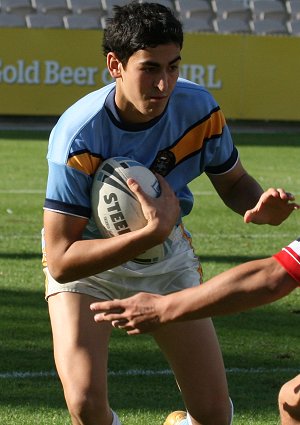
(246, 52)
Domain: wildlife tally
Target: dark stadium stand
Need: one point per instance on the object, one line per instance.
(294, 27)
(90, 7)
(16, 7)
(83, 21)
(40, 20)
(232, 9)
(12, 20)
(51, 7)
(231, 25)
(293, 8)
(216, 16)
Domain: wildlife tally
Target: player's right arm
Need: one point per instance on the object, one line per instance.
(69, 257)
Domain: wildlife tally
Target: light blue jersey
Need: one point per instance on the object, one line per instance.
(189, 138)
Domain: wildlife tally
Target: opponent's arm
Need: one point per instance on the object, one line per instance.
(240, 288)
(69, 257)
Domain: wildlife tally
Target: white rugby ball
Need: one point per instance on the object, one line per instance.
(116, 210)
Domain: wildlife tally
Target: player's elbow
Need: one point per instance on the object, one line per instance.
(278, 282)
(59, 273)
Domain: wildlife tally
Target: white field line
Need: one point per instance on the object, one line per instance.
(210, 193)
(19, 236)
(33, 191)
(21, 191)
(207, 236)
(141, 372)
(238, 235)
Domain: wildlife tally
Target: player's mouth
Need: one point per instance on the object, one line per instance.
(159, 98)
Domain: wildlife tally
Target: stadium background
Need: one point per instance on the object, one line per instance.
(246, 52)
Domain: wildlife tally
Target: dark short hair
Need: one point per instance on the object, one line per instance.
(137, 26)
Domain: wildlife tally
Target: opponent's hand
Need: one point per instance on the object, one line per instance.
(273, 207)
(161, 213)
(137, 314)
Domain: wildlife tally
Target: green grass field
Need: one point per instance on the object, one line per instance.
(260, 347)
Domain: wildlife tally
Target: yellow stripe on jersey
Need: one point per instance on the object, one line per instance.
(186, 236)
(85, 162)
(46, 281)
(193, 141)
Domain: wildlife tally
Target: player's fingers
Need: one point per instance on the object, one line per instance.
(119, 324)
(133, 184)
(134, 332)
(136, 188)
(279, 193)
(102, 317)
(103, 306)
(294, 206)
(247, 216)
(166, 189)
(115, 315)
(109, 317)
(285, 195)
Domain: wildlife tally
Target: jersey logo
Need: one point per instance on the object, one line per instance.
(164, 163)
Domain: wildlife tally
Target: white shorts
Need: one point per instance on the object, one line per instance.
(178, 270)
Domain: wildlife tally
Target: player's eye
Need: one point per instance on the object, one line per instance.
(174, 68)
(150, 69)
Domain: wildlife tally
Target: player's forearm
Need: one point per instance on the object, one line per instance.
(88, 257)
(238, 289)
(244, 194)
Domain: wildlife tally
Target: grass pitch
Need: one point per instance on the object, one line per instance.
(260, 347)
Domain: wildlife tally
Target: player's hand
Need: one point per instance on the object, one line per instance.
(161, 213)
(135, 315)
(273, 207)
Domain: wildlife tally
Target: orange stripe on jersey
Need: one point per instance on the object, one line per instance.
(44, 259)
(193, 141)
(46, 284)
(185, 235)
(84, 162)
(189, 239)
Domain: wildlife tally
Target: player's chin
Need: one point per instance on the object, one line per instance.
(155, 108)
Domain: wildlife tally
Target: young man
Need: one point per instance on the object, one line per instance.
(177, 129)
(245, 286)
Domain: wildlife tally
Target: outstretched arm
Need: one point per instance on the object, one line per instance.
(248, 285)
(242, 193)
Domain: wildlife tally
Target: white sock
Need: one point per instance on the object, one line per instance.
(116, 420)
(185, 422)
(232, 411)
(188, 420)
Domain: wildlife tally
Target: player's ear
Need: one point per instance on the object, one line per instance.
(114, 65)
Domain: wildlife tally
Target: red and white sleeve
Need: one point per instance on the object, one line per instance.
(289, 258)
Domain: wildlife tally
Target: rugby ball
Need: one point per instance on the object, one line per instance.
(116, 210)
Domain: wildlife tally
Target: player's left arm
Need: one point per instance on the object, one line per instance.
(243, 194)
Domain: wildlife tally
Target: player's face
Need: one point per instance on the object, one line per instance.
(146, 83)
